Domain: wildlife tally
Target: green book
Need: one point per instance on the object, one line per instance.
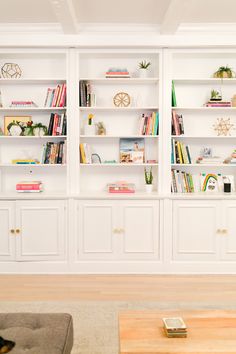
(174, 103)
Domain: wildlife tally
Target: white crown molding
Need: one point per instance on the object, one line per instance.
(30, 28)
(207, 28)
(117, 28)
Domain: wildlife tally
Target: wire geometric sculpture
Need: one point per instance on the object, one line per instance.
(11, 71)
(223, 127)
(121, 99)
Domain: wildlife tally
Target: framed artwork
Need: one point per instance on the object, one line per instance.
(131, 150)
(11, 119)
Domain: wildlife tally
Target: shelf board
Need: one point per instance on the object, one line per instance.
(118, 136)
(203, 108)
(117, 164)
(37, 81)
(201, 137)
(201, 165)
(210, 81)
(33, 109)
(39, 165)
(152, 108)
(45, 137)
(122, 80)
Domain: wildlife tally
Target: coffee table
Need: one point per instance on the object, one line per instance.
(213, 331)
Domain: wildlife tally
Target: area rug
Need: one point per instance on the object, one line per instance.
(96, 322)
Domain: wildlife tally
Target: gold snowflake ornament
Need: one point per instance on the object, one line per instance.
(223, 127)
(121, 99)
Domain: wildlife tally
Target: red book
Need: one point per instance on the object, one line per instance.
(54, 101)
(63, 96)
(26, 187)
(55, 124)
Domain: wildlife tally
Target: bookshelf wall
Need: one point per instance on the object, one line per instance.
(120, 122)
(41, 69)
(192, 73)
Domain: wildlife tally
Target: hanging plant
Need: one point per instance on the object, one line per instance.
(224, 72)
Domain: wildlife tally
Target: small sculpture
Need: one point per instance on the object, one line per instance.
(101, 130)
(223, 127)
(11, 71)
(121, 99)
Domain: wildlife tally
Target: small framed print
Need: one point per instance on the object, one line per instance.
(11, 119)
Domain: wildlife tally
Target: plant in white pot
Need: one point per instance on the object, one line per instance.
(144, 68)
(148, 180)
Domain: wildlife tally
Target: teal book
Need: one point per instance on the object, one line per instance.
(174, 102)
(156, 130)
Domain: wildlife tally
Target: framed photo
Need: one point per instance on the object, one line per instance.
(132, 150)
(10, 119)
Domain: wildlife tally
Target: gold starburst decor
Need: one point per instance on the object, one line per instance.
(11, 71)
(121, 99)
(223, 127)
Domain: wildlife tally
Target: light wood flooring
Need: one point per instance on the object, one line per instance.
(202, 289)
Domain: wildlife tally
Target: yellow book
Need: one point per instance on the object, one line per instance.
(180, 152)
(82, 153)
(153, 123)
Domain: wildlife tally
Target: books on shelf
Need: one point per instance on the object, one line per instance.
(117, 73)
(57, 124)
(181, 182)
(25, 161)
(149, 124)
(19, 104)
(132, 150)
(121, 187)
(56, 97)
(180, 153)
(177, 124)
(173, 95)
(29, 187)
(54, 153)
(85, 153)
(86, 96)
(218, 104)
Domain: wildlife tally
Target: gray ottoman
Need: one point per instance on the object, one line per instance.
(34, 333)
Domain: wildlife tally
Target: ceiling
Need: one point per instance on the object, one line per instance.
(69, 16)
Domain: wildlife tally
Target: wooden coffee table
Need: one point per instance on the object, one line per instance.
(213, 331)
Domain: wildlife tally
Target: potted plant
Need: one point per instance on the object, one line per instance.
(148, 180)
(143, 68)
(215, 96)
(15, 128)
(39, 129)
(224, 72)
(28, 130)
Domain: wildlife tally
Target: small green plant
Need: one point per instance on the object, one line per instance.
(144, 64)
(215, 95)
(224, 72)
(148, 176)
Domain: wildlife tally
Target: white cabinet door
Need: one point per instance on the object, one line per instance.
(7, 231)
(41, 226)
(96, 223)
(228, 232)
(140, 231)
(195, 225)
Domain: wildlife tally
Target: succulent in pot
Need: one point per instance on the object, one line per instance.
(15, 128)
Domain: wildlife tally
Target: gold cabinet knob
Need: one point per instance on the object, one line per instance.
(224, 231)
(12, 231)
(115, 231)
(218, 231)
(17, 231)
(121, 231)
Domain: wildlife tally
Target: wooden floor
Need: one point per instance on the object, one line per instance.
(201, 289)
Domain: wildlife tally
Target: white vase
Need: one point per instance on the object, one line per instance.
(143, 73)
(149, 188)
(90, 129)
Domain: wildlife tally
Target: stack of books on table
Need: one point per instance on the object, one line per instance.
(29, 187)
(121, 187)
(218, 104)
(117, 72)
(25, 161)
(175, 327)
(20, 104)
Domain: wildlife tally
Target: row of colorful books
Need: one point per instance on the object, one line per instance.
(57, 124)
(86, 96)
(56, 97)
(85, 153)
(54, 153)
(180, 153)
(177, 124)
(181, 182)
(149, 125)
(29, 187)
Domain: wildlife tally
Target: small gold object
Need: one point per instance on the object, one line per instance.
(121, 99)
(17, 231)
(12, 231)
(223, 127)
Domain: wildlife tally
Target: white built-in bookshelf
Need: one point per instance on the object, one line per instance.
(121, 122)
(41, 69)
(192, 72)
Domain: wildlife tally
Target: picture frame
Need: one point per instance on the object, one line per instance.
(10, 119)
(132, 150)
